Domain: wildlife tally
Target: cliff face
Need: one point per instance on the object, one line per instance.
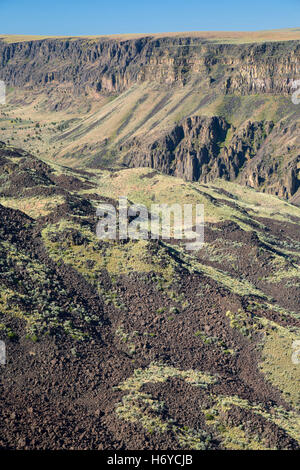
(112, 66)
(275, 167)
(191, 150)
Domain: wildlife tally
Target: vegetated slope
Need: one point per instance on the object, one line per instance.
(143, 101)
(142, 344)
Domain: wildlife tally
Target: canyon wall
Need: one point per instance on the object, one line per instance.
(112, 66)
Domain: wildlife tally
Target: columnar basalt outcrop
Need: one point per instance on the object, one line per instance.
(110, 65)
(202, 149)
(191, 150)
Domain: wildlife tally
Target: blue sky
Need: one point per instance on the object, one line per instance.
(66, 17)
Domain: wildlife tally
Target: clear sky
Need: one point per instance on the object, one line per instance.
(79, 17)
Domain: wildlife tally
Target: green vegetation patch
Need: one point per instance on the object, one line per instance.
(138, 407)
(116, 257)
(33, 206)
(34, 294)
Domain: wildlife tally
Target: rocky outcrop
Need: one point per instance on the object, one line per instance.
(202, 149)
(275, 166)
(280, 178)
(196, 149)
(191, 150)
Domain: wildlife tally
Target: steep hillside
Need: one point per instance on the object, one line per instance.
(141, 344)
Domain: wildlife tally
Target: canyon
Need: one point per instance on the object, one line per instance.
(188, 106)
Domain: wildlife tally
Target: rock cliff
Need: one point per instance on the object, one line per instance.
(114, 65)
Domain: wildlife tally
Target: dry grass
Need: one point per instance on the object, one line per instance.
(233, 37)
(277, 361)
(33, 206)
